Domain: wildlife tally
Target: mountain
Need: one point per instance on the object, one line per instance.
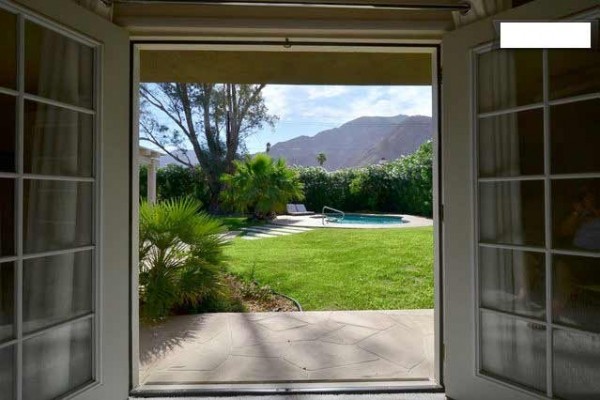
(360, 142)
(405, 139)
(167, 159)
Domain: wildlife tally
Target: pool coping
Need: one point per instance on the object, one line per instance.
(315, 221)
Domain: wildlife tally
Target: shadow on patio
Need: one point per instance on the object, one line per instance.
(288, 347)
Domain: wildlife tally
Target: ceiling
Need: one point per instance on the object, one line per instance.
(287, 66)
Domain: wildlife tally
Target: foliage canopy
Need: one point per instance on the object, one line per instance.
(213, 119)
(402, 186)
(261, 185)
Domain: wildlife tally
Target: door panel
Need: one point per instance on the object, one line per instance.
(518, 308)
(64, 203)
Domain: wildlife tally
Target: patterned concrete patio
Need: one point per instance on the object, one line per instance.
(288, 347)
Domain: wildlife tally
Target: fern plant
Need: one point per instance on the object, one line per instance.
(181, 256)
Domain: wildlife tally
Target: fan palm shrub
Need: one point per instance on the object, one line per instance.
(181, 256)
(262, 186)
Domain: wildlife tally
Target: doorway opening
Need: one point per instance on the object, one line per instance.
(317, 292)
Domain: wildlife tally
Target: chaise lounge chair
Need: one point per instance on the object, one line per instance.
(298, 209)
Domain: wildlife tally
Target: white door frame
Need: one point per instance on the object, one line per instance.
(277, 44)
(110, 240)
(463, 379)
(23, 16)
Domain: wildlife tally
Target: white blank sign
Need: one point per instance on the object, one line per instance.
(546, 35)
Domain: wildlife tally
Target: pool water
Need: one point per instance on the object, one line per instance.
(366, 219)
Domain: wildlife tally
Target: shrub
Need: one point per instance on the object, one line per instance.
(181, 257)
(401, 186)
(175, 182)
(261, 185)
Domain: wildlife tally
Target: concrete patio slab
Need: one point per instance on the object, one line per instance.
(313, 355)
(378, 369)
(282, 323)
(288, 347)
(409, 355)
(373, 319)
(349, 334)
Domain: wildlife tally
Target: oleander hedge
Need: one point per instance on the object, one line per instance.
(401, 186)
(175, 182)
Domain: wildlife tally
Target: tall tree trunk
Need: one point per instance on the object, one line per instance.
(203, 114)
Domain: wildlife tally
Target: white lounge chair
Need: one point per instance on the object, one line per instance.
(298, 209)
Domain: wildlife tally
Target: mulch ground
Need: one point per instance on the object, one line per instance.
(256, 298)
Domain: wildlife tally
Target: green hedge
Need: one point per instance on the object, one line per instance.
(402, 186)
(175, 181)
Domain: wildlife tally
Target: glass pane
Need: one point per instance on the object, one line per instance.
(7, 300)
(514, 350)
(56, 288)
(57, 67)
(509, 78)
(57, 215)
(57, 361)
(573, 72)
(7, 217)
(576, 292)
(7, 373)
(513, 281)
(576, 214)
(575, 137)
(8, 49)
(576, 359)
(58, 141)
(512, 144)
(512, 212)
(8, 133)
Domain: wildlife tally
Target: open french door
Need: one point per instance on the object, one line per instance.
(520, 130)
(64, 203)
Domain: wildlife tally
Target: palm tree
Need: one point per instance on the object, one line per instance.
(262, 185)
(321, 158)
(181, 256)
(268, 147)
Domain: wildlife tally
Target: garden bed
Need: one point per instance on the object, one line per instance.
(257, 298)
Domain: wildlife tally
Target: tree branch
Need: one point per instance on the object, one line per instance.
(173, 155)
(156, 102)
(150, 137)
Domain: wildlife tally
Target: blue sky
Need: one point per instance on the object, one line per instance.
(309, 109)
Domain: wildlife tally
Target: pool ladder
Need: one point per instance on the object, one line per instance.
(324, 218)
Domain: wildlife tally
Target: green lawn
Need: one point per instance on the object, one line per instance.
(343, 269)
(236, 223)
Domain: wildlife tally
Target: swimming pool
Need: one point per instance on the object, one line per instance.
(365, 219)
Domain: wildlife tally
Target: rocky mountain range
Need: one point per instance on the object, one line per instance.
(360, 142)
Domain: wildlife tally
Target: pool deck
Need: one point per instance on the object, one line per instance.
(315, 221)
